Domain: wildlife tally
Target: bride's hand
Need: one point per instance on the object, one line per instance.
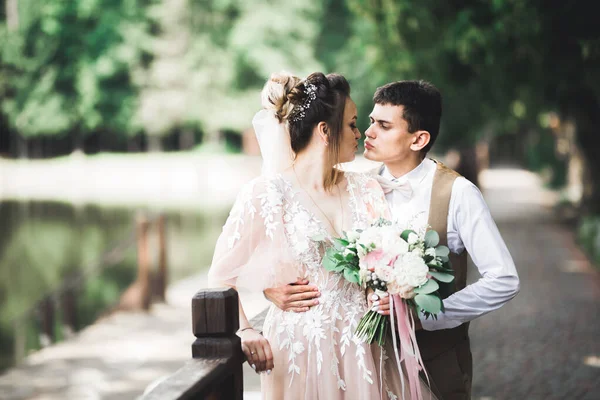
(380, 304)
(257, 350)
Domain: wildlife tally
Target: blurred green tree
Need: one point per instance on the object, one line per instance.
(68, 67)
(499, 64)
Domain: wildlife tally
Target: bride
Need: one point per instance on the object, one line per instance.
(277, 232)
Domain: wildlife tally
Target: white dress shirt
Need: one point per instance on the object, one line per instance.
(470, 228)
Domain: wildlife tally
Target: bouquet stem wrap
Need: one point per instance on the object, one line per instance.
(409, 350)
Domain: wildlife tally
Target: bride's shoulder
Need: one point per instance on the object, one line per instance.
(363, 180)
(264, 184)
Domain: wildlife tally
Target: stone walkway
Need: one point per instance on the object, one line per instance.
(545, 343)
(542, 345)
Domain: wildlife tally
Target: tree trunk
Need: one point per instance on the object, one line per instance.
(583, 107)
(12, 15)
(154, 143)
(468, 165)
(186, 139)
(22, 148)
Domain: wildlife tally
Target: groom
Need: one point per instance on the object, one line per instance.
(404, 126)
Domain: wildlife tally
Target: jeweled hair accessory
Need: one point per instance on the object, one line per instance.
(311, 94)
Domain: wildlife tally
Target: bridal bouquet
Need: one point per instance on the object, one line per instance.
(400, 262)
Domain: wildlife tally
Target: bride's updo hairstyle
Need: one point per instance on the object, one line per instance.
(302, 104)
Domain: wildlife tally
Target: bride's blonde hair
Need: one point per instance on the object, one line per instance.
(274, 96)
(284, 93)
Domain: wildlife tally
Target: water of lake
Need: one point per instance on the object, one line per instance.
(45, 245)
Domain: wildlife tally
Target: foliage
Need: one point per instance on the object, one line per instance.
(588, 236)
(68, 66)
(162, 66)
(499, 64)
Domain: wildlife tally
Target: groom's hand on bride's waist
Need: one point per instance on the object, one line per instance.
(298, 296)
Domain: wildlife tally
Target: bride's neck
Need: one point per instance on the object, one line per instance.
(309, 169)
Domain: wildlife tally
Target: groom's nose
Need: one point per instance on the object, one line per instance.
(369, 132)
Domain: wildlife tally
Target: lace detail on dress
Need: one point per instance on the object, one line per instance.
(237, 214)
(321, 340)
(341, 304)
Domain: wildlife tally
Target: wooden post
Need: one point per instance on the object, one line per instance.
(162, 278)
(47, 321)
(69, 309)
(12, 15)
(215, 321)
(143, 276)
(20, 340)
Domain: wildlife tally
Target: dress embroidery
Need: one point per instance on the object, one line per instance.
(303, 339)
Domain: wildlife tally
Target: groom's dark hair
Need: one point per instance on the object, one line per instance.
(422, 105)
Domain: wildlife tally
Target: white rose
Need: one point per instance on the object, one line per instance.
(396, 245)
(418, 251)
(365, 276)
(412, 238)
(384, 272)
(353, 236)
(430, 252)
(410, 269)
(369, 237)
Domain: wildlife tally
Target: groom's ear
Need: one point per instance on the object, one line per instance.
(420, 140)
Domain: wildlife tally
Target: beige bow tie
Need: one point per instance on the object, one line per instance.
(403, 187)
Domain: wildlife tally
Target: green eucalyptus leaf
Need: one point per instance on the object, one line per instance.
(440, 268)
(350, 257)
(343, 242)
(432, 238)
(442, 251)
(429, 287)
(329, 263)
(339, 267)
(442, 276)
(350, 276)
(429, 303)
(404, 235)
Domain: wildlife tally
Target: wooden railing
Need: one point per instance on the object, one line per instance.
(215, 370)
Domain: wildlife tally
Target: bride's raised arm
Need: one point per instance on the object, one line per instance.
(250, 256)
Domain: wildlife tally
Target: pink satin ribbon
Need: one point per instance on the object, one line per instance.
(409, 350)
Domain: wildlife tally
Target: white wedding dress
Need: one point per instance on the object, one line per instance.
(271, 238)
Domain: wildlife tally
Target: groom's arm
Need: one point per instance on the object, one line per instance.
(297, 297)
(471, 228)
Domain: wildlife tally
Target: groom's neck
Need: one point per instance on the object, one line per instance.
(400, 168)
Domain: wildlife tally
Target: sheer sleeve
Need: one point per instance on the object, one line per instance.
(252, 251)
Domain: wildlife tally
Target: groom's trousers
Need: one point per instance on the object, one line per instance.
(447, 357)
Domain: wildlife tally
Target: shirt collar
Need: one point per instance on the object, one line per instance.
(414, 176)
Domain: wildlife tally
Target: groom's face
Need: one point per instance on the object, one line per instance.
(388, 139)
